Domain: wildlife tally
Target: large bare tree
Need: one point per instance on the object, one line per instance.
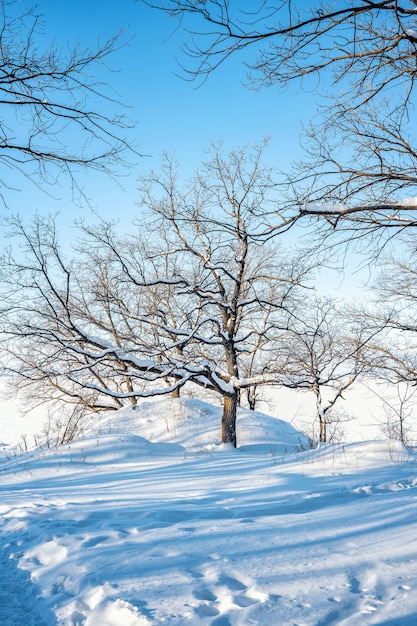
(191, 298)
(240, 289)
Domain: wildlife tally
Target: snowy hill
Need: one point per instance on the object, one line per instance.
(146, 520)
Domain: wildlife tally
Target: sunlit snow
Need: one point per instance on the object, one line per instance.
(147, 520)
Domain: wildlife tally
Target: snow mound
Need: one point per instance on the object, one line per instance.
(192, 424)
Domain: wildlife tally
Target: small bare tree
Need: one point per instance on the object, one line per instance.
(397, 404)
(324, 355)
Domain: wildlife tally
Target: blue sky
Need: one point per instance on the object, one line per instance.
(171, 113)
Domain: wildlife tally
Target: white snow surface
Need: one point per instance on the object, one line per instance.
(147, 520)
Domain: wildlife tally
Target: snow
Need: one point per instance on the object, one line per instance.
(147, 520)
(410, 201)
(313, 207)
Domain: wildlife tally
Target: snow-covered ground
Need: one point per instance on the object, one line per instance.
(146, 520)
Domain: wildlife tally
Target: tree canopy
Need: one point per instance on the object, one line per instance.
(361, 148)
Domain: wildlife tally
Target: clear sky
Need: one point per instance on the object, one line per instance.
(171, 113)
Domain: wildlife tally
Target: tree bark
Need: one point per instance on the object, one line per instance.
(321, 413)
(230, 403)
(251, 397)
(323, 429)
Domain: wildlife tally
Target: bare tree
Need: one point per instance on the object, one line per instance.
(398, 405)
(44, 299)
(55, 118)
(186, 304)
(325, 354)
(230, 291)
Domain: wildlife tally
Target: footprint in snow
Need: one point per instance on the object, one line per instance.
(220, 594)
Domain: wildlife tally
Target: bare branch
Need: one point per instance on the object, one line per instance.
(54, 111)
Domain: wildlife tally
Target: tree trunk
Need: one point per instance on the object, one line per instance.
(175, 393)
(251, 397)
(229, 419)
(133, 400)
(321, 413)
(323, 429)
